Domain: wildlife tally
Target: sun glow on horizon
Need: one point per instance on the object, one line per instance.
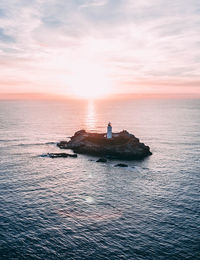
(89, 81)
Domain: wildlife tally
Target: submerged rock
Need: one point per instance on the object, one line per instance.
(63, 155)
(102, 160)
(122, 145)
(121, 165)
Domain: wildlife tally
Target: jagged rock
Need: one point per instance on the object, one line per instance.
(121, 165)
(123, 145)
(102, 160)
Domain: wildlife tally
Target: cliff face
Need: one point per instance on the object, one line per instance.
(122, 146)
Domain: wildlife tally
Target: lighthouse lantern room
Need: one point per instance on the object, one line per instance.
(109, 131)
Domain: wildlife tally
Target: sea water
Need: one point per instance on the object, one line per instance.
(75, 208)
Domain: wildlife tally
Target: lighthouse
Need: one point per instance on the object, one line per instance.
(109, 131)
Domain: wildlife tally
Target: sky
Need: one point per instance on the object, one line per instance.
(99, 47)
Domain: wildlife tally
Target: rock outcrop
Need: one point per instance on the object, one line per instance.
(123, 145)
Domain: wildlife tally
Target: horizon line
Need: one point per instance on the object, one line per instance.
(52, 96)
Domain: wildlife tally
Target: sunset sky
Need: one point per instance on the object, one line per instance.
(91, 48)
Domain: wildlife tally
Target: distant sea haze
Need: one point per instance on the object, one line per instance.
(75, 208)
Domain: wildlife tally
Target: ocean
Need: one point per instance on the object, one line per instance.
(75, 208)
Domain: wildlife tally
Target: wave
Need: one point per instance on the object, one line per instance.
(36, 144)
(9, 140)
(48, 143)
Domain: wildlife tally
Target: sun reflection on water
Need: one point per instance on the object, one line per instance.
(91, 120)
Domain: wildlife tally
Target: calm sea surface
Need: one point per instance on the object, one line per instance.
(75, 208)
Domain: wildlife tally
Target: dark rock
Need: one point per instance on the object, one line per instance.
(123, 145)
(73, 155)
(121, 165)
(102, 160)
(62, 155)
(62, 144)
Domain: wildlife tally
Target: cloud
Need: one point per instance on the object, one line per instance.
(135, 41)
(94, 3)
(5, 37)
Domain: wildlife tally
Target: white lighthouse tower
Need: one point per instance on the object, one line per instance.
(109, 131)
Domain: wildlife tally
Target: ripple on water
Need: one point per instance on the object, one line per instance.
(78, 209)
(98, 215)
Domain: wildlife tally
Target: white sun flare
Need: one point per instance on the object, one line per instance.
(89, 81)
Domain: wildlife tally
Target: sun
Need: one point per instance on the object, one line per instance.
(89, 81)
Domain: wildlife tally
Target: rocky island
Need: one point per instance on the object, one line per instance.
(122, 145)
